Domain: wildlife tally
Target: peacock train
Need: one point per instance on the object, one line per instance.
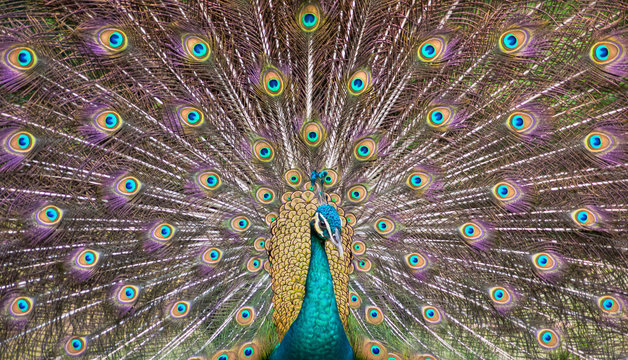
(320, 180)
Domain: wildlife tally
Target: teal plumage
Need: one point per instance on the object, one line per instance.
(360, 179)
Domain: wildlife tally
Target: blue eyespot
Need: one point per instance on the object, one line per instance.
(309, 20)
(23, 141)
(416, 180)
(374, 314)
(469, 230)
(510, 41)
(595, 141)
(437, 117)
(77, 344)
(601, 52)
(129, 293)
(130, 185)
(375, 350)
(517, 122)
(223, 357)
(357, 84)
(583, 216)
(354, 298)
(608, 304)
(89, 258)
(264, 152)
(502, 190)
(52, 214)
(24, 57)
(211, 180)
(246, 314)
(199, 49)
(242, 223)
(414, 259)
(115, 39)
(273, 85)
(181, 308)
(248, 351)
(363, 150)
(193, 117)
(547, 337)
(430, 313)
(382, 225)
(165, 231)
(498, 294)
(23, 304)
(428, 50)
(213, 254)
(542, 260)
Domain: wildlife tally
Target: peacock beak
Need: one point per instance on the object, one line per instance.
(321, 224)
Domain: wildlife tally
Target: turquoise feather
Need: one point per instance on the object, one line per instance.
(317, 333)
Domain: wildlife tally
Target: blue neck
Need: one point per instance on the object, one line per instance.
(317, 333)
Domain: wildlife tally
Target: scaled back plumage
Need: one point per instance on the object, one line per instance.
(156, 202)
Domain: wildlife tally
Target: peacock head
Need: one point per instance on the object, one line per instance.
(326, 221)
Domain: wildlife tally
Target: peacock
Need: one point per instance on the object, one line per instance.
(324, 179)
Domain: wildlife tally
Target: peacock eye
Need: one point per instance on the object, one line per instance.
(128, 186)
(270, 217)
(272, 81)
(49, 215)
(513, 40)
(265, 195)
(107, 121)
(330, 179)
(426, 357)
(359, 82)
(610, 305)
(358, 247)
(309, 18)
(260, 244)
(363, 265)
(240, 223)
(418, 180)
(500, 295)
(196, 48)
(548, 338)
(87, 259)
(521, 122)
(293, 177)
(254, 264)
(439, 116)
(354, 300)
(20, 143)
(208, 180)
(374, 350)
(263, 151)
(245, 316)
(190, 116)
(585, 217)
(21, 306)
(180, 309)
(312, 134)
(21, 58)
(357, 193)
(431, 314)
(248, 350)
(431, 49)
(472, 231)
(128, 294)
(112, 39)
(365, 149)
(162, 232)
(384, 226)
(599, 142)
(374, 315)
(416, 261)
(211, 256)
(506, 191)
(75, 346)
(544, 261)
(605, 52)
